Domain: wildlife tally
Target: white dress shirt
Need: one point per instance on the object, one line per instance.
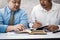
(46, 17)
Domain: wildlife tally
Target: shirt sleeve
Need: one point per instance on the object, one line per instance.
(59, 17)
(24, 19)
(2, 26)
(32, 18)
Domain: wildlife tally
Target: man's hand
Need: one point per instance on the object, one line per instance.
(36, 24)
(18, 27)
(52, 28)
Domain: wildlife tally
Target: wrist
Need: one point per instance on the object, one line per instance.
(10, 28)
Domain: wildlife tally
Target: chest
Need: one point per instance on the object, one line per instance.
(6, 18)
(46, 15)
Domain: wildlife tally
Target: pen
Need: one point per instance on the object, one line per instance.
(56, 31)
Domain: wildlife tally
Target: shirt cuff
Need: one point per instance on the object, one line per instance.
(30, 25)
(3, 28)
(59, 27)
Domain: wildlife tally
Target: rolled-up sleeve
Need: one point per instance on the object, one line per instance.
(2, 26)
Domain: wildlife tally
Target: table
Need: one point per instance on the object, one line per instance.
(12, 35)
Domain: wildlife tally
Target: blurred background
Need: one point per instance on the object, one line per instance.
(25, 4)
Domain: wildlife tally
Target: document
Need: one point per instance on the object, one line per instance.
(33, 32)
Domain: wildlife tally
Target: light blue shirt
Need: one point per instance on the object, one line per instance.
(20, 17)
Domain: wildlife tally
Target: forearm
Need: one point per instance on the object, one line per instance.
(10, 28)
(25, 23)
(3, 28)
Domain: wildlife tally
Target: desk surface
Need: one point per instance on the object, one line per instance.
(12, 35)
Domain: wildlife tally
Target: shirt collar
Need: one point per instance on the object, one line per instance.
(8, 10)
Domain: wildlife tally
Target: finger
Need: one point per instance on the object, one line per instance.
(20, 28)
(17, 30)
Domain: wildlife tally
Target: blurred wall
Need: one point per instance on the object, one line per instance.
(57, 1)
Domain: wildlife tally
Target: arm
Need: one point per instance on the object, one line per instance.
(24, 20)
(34, 23)
(32, 18)
(56, 26)
(2, 26)
(59, 17)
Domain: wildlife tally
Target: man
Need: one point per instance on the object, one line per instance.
(46, 14)
(12, 18)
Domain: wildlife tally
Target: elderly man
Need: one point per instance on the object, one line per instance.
(12, 18)
(47, 13)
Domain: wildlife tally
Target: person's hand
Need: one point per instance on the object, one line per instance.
(19, 27)
(52, 28)
(36, 24)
